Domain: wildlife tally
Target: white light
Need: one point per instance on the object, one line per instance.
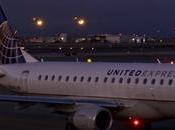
(62, 38)
(133, 39)
(89, 60)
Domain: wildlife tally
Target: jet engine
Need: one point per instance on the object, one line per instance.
(93, 118)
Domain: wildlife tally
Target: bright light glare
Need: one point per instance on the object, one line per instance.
(62, 38)
(39, 22)
(34, 19)
(89, 60)
(136, 122)
(81, 22)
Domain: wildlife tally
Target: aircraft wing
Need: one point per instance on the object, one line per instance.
(60, 101)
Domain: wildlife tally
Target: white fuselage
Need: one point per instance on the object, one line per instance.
(148, 83)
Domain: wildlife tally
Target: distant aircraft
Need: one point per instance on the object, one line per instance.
(92, 95)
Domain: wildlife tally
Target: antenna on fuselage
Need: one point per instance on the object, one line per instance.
(158, 61)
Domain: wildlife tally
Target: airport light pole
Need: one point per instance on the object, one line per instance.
(39, 24)
(80, 24)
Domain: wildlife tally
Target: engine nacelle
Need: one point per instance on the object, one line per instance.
(92, 118)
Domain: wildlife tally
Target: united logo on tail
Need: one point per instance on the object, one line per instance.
(9, 50)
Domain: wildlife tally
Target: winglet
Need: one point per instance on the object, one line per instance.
(28, 57)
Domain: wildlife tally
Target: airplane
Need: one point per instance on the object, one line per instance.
(91, 95)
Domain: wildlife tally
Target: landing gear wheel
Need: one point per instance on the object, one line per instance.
(70, 126)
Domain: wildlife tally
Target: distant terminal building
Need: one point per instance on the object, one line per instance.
(112, 38)
(59, 38)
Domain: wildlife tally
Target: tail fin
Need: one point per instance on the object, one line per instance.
(9, 50)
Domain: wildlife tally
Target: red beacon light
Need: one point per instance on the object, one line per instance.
(136, 122)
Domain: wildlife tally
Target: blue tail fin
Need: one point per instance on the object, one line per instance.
(9, 50)
(3, 17)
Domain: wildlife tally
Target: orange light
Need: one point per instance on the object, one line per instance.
(39, 22)
(81, 22)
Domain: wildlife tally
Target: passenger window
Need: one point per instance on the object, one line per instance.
(161, 82)
(75, 78)
(113, 80)
(53, 77)
(59, 78)
(96, 79)
(39, 78)
(153, 81)
(67, 78)
(46, 78)
(129, 80)
(82, 78)
(170, 82)
(121, 80)
(137, 80)
(89, 79)
(105, 79)
(144, 81)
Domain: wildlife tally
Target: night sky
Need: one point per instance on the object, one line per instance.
(152, 17)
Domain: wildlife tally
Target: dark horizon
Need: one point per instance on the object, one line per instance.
(151, 17)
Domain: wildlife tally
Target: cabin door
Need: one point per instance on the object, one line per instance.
(25, 80)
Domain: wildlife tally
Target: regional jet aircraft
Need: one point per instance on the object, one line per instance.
(92, 95)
